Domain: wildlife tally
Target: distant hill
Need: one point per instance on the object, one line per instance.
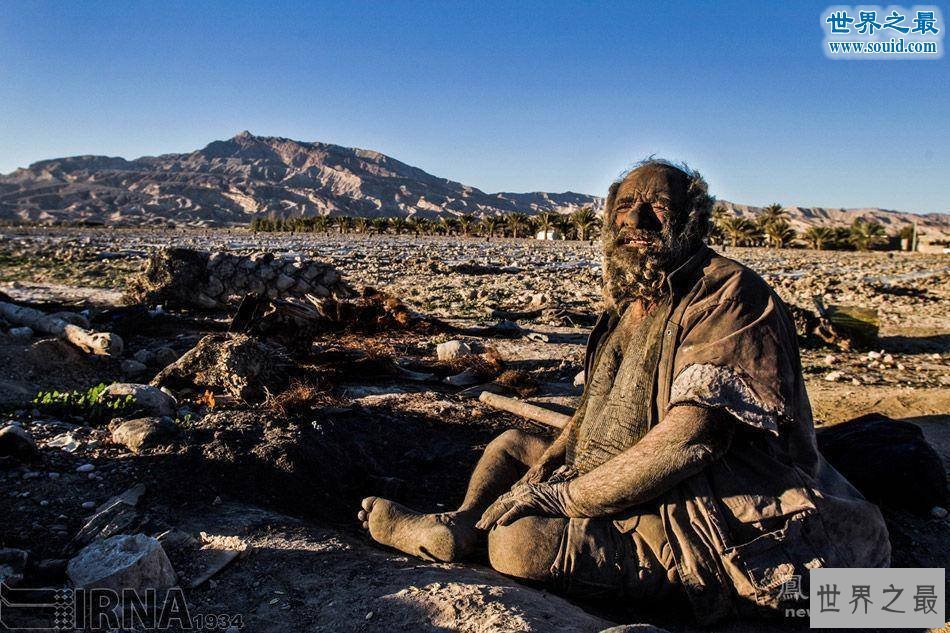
(230, 182)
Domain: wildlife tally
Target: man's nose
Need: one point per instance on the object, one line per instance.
(640, 217)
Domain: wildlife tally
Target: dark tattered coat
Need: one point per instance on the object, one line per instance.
(771, 508)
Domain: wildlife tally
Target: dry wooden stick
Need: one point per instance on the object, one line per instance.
(525, 410)
(99, 343)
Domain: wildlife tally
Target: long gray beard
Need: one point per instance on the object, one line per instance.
(631, 276)
(628, 278)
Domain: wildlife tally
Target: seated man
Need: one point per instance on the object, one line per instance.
(690, 468)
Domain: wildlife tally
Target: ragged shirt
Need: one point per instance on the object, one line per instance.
(771, 508)
(619, 401)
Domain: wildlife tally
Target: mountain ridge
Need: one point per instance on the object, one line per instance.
(229, 182)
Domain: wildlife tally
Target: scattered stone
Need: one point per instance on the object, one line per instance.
(88, 505)
(20, 333)
(938, 512)
(142, 433)
(165, 356)
(831, 360)
(17, 442)
(64, 441)
(151, 399)
(12, 565)
(112, 517)
(132, 367)
(834, 376)
(144, 356)
(874, 355)
(85, 468)
(120, 562)
(450, 350)
(464, 379)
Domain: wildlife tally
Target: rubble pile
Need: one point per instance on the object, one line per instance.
(179, 276)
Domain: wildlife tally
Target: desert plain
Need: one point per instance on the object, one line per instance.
(278, 478)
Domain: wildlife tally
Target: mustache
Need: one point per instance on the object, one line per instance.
(642, 238)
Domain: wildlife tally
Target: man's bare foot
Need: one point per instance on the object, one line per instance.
(445, 537)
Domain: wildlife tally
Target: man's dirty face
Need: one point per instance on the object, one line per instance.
(643, 208)
(642, 233)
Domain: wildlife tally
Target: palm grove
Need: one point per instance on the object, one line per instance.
(769, 228)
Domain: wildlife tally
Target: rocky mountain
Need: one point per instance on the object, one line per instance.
(803, 217)
(231, 182)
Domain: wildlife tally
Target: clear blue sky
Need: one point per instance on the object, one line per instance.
(514, 96)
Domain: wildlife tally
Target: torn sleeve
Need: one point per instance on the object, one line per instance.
(739, 353)
(718, 387)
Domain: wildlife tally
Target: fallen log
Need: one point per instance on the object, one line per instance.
(99, 343)
(525, 410)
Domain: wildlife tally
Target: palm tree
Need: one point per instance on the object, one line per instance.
(466, 223)
(818, 237)
(544, 222)
(517, 222)
(490, 223)
(399, 225)
(415, 225)
(321, 223)
(779, 233)
(772, 213)
(739, 231)
(361, 224)
(583, 220)
(719, 213)
(447, 225)
(866, 235)
(564, 224)
(380, 225)
(344, 223)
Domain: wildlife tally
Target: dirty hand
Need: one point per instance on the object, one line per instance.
(525, 500)
(540, 472)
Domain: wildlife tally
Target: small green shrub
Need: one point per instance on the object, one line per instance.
(92, 405)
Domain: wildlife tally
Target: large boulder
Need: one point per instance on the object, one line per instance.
(236, 364)
(151, 399)
(143, 433)
(16, 442)
(122, 562)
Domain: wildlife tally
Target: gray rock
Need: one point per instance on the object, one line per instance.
(165, 356)
(16, 442)
(213, 287)
(134, 562)
(12, 565)
(143, 432)
(20, 333)
(284, 282)
(464, 379)
(144, 356)
(450, 350)
(152, 399)
(131, 367)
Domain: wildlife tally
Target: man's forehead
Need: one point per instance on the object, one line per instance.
(650, 180)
